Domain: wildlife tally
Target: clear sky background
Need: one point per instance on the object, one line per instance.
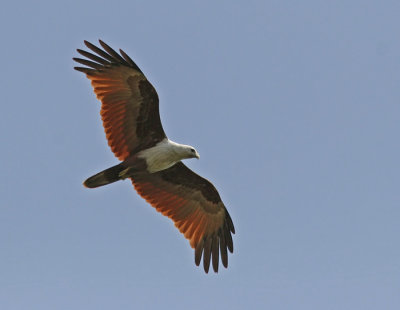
(294, 107)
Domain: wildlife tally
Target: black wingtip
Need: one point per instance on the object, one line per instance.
(215, 253)
(198, 253)
(85, 70)
(108, 56)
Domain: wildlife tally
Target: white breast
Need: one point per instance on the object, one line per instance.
(163, 155)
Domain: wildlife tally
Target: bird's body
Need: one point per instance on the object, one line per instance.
(166, 154)
(134, 132)
(163, 155)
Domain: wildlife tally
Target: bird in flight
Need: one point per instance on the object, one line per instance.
(131, 120)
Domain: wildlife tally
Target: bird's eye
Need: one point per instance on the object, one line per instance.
(192, 150)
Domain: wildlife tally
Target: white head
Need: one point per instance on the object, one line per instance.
(190, 152)
(182, 151)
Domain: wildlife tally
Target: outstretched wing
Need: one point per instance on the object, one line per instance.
(196, 208)
(129, 103)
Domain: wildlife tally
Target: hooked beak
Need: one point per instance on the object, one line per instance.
(197, 155)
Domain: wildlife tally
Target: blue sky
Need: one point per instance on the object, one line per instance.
(294, 107)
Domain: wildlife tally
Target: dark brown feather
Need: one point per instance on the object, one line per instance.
(89, 63)
(98, 51)
(93, 57)
(222, 247)
(129, 60)
(215, 252)
(113, 53)
(198, 253)
(207, 254)
(85, 70)
(228, 238)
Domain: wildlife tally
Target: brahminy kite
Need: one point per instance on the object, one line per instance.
(131, 120)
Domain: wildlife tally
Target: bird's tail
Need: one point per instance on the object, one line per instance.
(105, 177)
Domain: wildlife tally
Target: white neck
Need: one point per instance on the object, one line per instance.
(164, 154)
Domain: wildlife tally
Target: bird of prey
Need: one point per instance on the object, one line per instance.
(131, 120)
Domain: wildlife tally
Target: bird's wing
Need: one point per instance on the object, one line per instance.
(129, 103)
(196, 208)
